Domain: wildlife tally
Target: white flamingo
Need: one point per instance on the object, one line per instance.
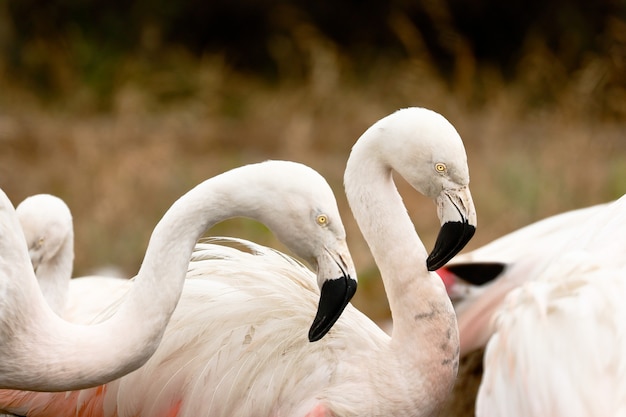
(558, 349)
(504, 264)
(559, 339)
(47, 224)
(40, 351)
(254, 362)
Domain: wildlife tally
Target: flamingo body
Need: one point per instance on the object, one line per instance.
(522, 255)
(556, 341)
(558, 348)
(224, 352)
(41, 351)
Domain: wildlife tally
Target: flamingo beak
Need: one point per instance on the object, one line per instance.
(334, 297)
(458, 223)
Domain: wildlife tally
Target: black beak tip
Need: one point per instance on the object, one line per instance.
(334, 297)
(477, 273)
(452, 238)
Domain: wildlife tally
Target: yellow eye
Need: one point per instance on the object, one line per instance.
(322, 219)
(439, 167)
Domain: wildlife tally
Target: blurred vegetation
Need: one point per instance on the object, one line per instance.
(57, 46)
(121, 106)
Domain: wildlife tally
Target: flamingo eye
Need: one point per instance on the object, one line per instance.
(322, 219)
(440, 167)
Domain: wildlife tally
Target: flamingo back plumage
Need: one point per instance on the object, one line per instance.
(228, 331)
(558, 349)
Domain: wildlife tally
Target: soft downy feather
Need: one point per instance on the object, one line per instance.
(558, 349)
(559, 339)
(242, 352)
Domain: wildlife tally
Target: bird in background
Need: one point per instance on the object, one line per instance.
(49, 231)
(234, 348)
(559, 338)
(477, 281)
(41, 351)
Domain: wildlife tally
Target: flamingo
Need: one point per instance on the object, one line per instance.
(558, 340)
(555, 334)
(253, 361)
(48, 228)
(558, 349)
(498, 267)
(40, 351)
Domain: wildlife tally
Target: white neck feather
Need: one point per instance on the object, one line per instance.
(54, 275)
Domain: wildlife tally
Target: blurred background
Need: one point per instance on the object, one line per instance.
(121, 106)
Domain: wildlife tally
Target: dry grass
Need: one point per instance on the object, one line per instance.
(169, 129)
(534, 149)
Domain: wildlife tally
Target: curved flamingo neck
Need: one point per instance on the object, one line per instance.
(425, 334)
(54, 275)
(38, 341)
